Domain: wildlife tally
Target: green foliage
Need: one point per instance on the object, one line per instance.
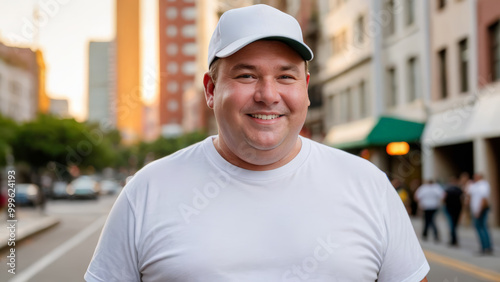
(8, 132)
(65, 142)
(162, 147)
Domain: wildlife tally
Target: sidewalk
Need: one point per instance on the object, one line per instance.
(30, 221)
(468, 250)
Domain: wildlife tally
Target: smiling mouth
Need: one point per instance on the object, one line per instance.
(266, 117)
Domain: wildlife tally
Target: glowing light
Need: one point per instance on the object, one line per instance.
(397, 148)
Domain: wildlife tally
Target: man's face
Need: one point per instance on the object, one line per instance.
(260, 100)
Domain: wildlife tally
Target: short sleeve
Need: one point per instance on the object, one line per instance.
(404, 259)
(115, 257)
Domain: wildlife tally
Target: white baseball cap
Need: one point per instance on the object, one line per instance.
(239, 27)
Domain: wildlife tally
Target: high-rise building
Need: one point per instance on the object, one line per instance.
(101, 95)
(178, 52)
(59, 108)
(129, 105)
(22, 83)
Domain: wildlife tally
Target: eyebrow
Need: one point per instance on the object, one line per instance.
(290, 67)
(243, 67)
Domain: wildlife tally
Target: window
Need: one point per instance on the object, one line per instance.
(392, 88)
(339, 42)
(346, 106)
(189, 68)
(189, 13)
(359, 34)
(189, 49)
(494, 36)
(171, 13)
(410, 12)
(172, 68)
(391, 25)
(171, 31)
(172, 105)
(172, 87)
(330, 110)
(443, 76)
(441, 4)
(172, 49)
(189, 31)
(363, 100)
(463, 54)
(14, 88)
(412, 79)
(349, 113)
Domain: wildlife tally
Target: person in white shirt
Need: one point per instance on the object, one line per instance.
(478, 194)
(429, 197)
(257, 202)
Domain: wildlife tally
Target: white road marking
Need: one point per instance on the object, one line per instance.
(45, 261)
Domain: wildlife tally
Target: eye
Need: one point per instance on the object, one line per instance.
(244, 76)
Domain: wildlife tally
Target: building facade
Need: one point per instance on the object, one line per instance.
(129, 104)
(178, 49)
(373, 61)
(462, 134)
(22, 83)
(101, 94)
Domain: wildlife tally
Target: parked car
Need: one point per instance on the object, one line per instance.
(59, 190)
(27, 194)
(109, 187)
(83, 187)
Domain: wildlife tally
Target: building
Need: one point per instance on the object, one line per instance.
(22, 83)
(59, 108)
(372, 58)
(178, 49)
(129, 104)
(101, 89)
(462, 134)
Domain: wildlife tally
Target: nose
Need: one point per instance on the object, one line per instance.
(266, 92)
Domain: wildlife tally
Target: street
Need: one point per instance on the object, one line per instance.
(63, 252)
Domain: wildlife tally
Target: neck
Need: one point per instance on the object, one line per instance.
(257, 160)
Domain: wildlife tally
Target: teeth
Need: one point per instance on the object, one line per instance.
(265, 116)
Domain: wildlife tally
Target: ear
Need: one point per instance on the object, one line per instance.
(307, 87)
(209, 87)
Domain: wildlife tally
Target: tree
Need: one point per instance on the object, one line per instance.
(8, 132)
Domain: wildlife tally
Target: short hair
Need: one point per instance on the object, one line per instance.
(214, 69)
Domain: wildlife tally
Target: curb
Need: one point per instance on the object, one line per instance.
(34, 229)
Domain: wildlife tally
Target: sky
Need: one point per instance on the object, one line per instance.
(65, 28)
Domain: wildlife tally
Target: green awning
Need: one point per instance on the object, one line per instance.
(385, 131)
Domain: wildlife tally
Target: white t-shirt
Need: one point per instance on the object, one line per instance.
(429, 196)
(477, 192)
(324, 216)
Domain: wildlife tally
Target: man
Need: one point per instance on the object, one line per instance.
(257, 202)
(478, 194)
(453, 203)
(429, 197)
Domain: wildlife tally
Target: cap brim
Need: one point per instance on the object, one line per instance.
(237, 45)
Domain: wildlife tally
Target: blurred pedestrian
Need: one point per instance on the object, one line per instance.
(257, 201)
(478, 194)
(402, 192)
(414, 184)
(429, 196)
(453, 204)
